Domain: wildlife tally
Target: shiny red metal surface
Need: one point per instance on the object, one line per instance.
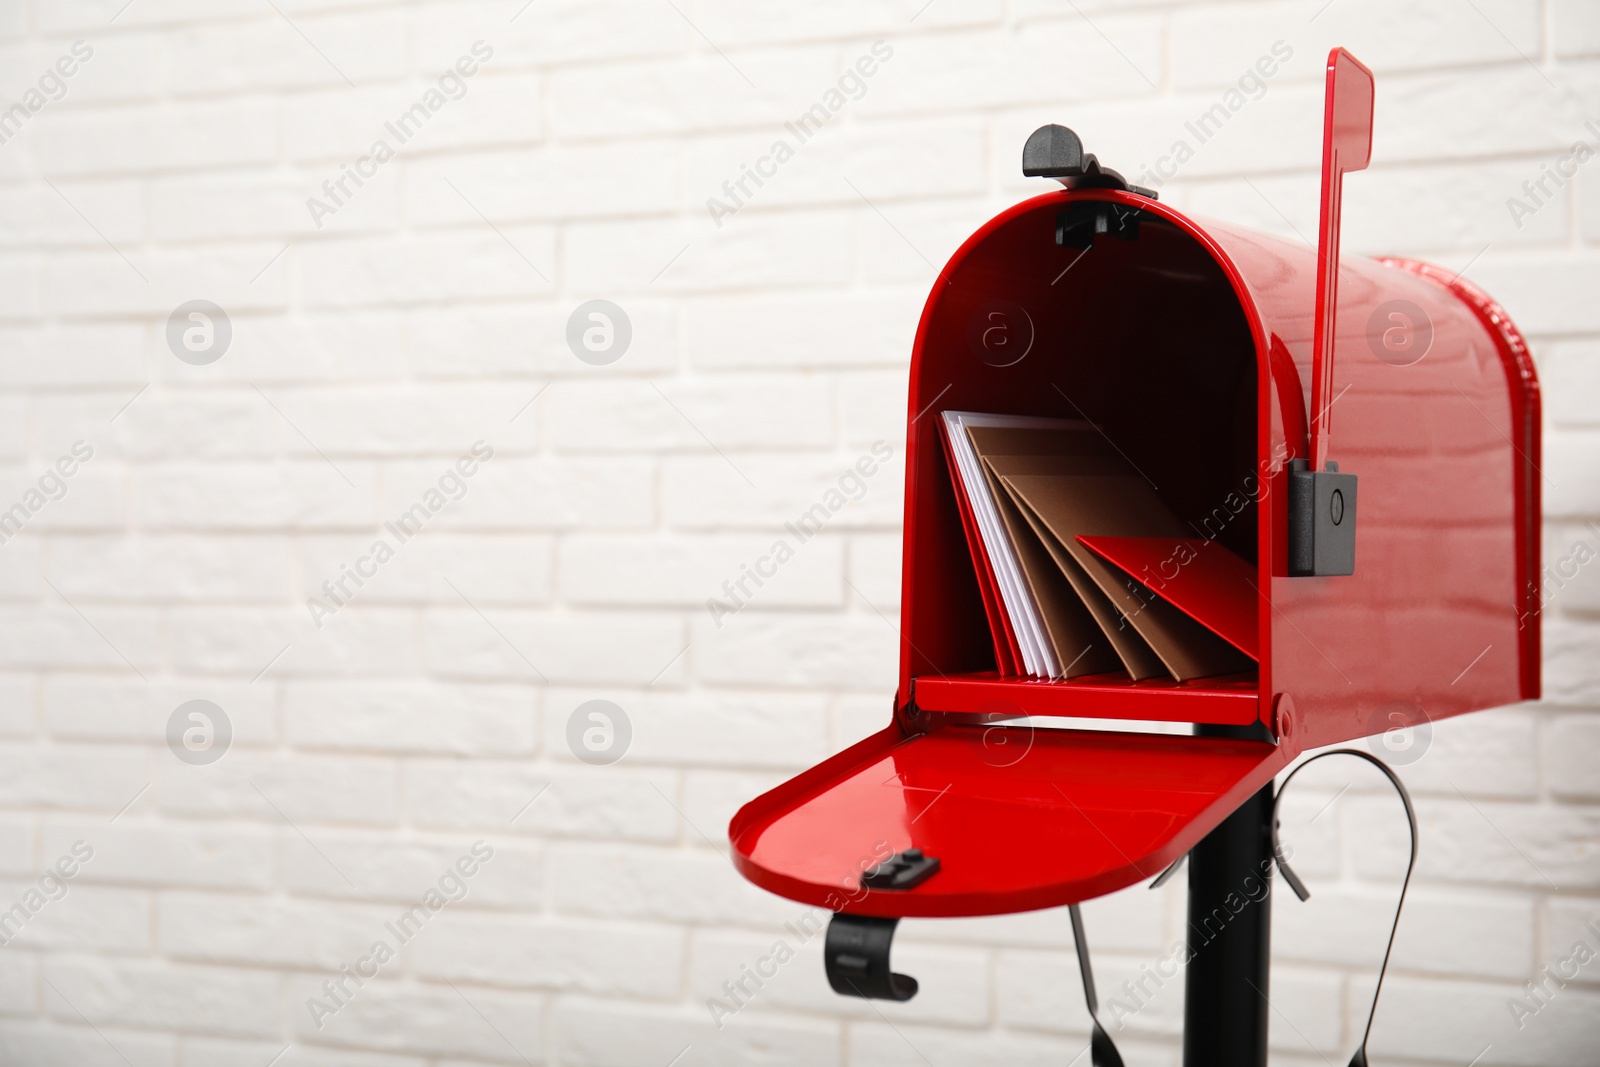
(1055, 818)
(1193, 349)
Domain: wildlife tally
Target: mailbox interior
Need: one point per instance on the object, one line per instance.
(1146, 338)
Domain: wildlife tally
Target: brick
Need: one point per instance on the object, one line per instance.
(146, 854)
(545, 184)
(695, 414)
(1448, 934)
(86, 919)
(505, 569)
(762, 648)
(174, 138)
(216, 928)
(667, 885)
(85, 708)
(412, 716)
(254, 495)
(481, 341)
(1571, 674)
(272, 54)
(688, 571)
(1571, 463)
(872, 407)
(71, 776)
(340, 125)
(1456, 1020)
(1573, 30)
(874, 569)
(106, 353)
(224, 1052)
(483, 263)
(566, 32)
(706, 729)
(814, 330)
(431, 1020)
(19, 980)
(494, 796)
(1571, 749)
(74, 1043)
(187, 569)
(1115, 56)
(605, 958)
(309, 347)
(1567, 921)
(287, 643)
(894, 1045)
(734, 24)
(21, 571)
(134, 993)
(273, 789)
(765, 251)
(591, 647)
(249, 204)
(703, 91)
(391, 870)
(39, 215)
(1228, 39)
(1571, 372)
(1478, 841)
(538, 494)
(909, 159)
(606, 1033)
(701, 492)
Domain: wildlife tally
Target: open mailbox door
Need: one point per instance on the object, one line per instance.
(1212, 359)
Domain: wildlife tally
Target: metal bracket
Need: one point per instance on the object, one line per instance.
(856, 955)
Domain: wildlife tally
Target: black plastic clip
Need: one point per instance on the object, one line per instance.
(856, 955)
(903, 870)
(1056, 152)
(1083, 220)
(1322, 521)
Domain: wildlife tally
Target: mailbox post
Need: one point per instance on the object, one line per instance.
(1216, 360)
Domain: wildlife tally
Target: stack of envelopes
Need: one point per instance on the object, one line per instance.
(1083, 569)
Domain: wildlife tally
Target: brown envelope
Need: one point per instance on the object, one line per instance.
(1083, 627)
(1067, 505)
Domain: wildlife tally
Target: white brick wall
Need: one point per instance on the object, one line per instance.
(430, 711)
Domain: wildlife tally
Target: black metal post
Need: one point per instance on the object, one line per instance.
(1225, 1010)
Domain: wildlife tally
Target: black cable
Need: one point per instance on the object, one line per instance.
(1300, 890)
(1102, 1052)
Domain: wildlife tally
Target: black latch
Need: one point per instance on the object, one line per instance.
(903, 870)
(856, 956)
(1056, 152)
(1322, 521)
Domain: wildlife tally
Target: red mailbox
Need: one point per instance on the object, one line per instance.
(1233, 370)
